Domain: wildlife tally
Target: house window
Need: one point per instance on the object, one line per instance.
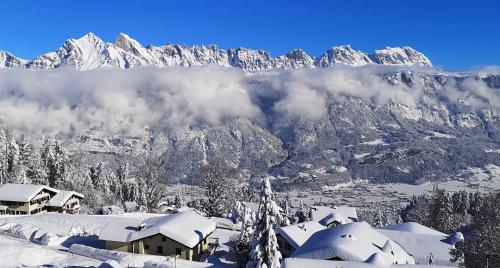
(163, 239)
(178, 251)
(159, 250)
(146, 246)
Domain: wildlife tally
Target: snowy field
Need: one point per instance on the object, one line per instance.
(18, 253)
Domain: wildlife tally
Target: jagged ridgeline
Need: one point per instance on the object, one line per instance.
(342, 115)
(90, 52)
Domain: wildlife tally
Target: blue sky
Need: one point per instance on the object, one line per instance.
(455, 35)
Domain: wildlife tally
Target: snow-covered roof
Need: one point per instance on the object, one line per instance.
(119, 229)
(413, 227)
(320, 212)
(61, 198)
(301, 263)
(355, 241)
(22, 192)
(187, 228)
(334, 217)
(421, 245)
(298, 234)
(4, 207)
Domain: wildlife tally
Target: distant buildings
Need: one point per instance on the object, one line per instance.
(21, 199)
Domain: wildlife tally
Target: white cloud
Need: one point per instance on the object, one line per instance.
(127, 101)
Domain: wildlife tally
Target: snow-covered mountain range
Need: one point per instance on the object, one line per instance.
(91, 52)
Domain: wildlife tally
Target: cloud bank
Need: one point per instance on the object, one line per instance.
(127, 101)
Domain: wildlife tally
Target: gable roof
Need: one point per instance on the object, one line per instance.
(119, 229)
(355, 241)
(187, 228)
(61, 198)
(22, 192)
(298, 234)
(320, 212)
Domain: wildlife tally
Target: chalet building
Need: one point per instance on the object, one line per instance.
(20, 199)
(65, 202)
(333, 216)
(183, 235)
(23, 199)
(352, 242)
(291, 237)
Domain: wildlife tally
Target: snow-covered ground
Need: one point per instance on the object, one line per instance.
(48, 237)
(16, 252)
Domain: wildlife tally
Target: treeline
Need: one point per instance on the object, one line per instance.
(476, 215)
(22, 162)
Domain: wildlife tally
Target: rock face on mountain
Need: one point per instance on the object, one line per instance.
(90, 52)
(8, 60)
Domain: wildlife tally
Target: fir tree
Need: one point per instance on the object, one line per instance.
(3, 157)
(219, 182)
(265, 251)
(241, 248)
(440, 211)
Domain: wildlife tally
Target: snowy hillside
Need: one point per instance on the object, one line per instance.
(91, 52)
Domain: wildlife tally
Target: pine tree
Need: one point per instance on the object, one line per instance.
(480, 249)
(123, 186)
(178, 202)
(241, 248)
(219, 182)
(265, 251)
(3, 157)
(150, 186)
(441, 211)
(55, 160)
(378, 218)
(12, 158)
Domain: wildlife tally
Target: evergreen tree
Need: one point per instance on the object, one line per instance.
(12, 153)
(3, 158)
(56, 161)
(480, 249)
(241, 248)
(441, 211)
(178, 202)
(123, 186)
(151, 189)
(265, 251)
(219, 181)
(378, 218)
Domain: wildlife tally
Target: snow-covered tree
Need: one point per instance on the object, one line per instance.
(378, 218)
(264, 245)
(219, 181)
(440, 211)
(301, 214)
(151, 189)
(123, 186)
(56, 161)
(480, 249)
(178, 200)
(12, 155)
(3, 157)
(241, 247)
